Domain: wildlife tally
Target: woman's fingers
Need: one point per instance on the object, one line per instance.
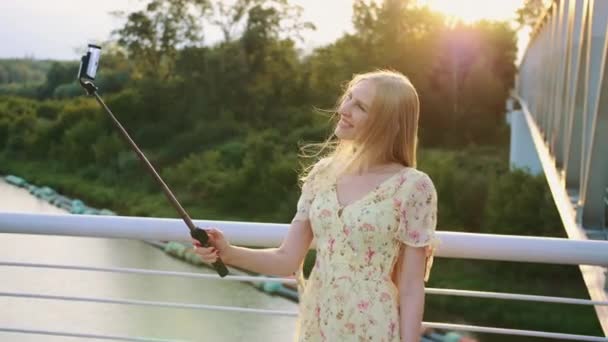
(207, 254)
(211, 233)
(210, 253)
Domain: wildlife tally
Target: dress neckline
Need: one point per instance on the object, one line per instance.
(367, 194)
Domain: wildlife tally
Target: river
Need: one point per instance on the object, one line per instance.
(114, 319)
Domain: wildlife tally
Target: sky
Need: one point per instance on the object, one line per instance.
(60, 29)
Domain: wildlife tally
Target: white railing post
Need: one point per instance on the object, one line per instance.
(595, 145)
(572, 151)
(563, 90)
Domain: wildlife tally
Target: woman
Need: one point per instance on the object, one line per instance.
(373, 218)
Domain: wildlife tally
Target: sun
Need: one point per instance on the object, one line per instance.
(470, 11)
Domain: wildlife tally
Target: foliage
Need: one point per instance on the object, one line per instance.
(14, 71)
(59, 78)
(529, 13)
(153, 36)
(520, 204)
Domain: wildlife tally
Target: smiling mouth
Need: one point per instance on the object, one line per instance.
(345, 124)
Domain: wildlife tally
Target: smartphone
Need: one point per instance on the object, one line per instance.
(89, 63)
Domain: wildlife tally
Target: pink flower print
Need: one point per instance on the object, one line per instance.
(363, 305)
(346, 230)
(396, 203)
(402, 179)
(385, 296)
(344, 277)
(368, 227)
(325, 213)
(317, 311)
(414, 235)
(422, 185)
(369, 254)
(332, 241)
(350, 328)
(391, 330)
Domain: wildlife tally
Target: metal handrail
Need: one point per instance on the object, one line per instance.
(453, 244)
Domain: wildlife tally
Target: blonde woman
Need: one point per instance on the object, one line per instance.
(372, 215)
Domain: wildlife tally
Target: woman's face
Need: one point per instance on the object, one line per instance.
(354, 110)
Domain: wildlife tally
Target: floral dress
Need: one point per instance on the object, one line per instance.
(350, 295)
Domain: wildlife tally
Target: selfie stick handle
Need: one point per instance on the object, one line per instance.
(197, 233)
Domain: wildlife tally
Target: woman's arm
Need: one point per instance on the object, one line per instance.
(282, 261)
(411, 292)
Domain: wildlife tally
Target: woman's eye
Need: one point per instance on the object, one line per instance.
(361, 107)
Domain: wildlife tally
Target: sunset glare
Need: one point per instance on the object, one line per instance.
(473, 10)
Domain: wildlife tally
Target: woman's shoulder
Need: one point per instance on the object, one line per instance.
(320, 166)
(415, 179)
(421, 175)
(316, 170)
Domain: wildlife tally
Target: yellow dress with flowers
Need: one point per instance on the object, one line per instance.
(350, 295)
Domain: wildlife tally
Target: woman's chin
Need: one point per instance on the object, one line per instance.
(341, 134)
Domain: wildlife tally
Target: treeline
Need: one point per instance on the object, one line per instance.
(218, 119)
(15, 71)
(43, 80)
(223, 122)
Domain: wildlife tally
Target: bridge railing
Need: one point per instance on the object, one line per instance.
(562, 79)
(454, 245)
(562, 90)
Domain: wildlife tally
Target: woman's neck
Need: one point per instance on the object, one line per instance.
(376, 167)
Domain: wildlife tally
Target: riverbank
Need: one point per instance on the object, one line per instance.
(125, 320)
(68, 205)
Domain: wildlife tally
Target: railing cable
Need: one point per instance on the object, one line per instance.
(84, 335)
(150, 303)
(435, 291)
(148, 272)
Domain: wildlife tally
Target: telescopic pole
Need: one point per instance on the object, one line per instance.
(197, 233)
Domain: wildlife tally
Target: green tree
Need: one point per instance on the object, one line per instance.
(521, 204)
(528, 14)
(60, 73)
(153, 36)
(231, 17)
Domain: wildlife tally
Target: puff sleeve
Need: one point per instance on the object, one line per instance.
(418, 218)
(308, 192)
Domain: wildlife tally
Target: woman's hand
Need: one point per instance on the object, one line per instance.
(219, 246)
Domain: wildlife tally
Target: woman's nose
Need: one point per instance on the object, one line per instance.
(344, 110)
(344, 113)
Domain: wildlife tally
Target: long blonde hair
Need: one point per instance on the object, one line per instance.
(390, 135)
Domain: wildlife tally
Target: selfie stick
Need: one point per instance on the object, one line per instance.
(86, 75)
